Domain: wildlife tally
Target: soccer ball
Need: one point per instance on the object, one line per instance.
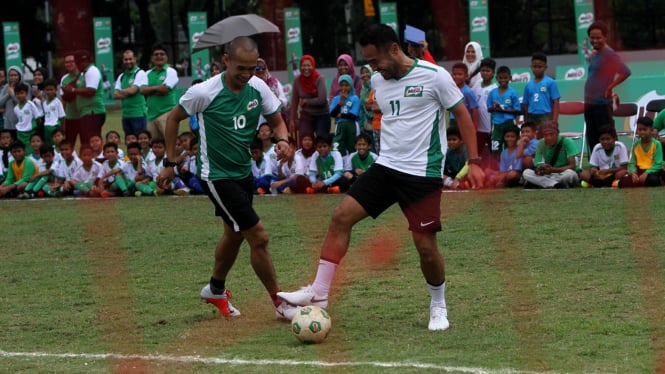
(311, 324)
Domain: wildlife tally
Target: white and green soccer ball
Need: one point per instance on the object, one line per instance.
(311, 324)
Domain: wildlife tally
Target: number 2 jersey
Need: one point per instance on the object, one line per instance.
(227, 124)
(413, 126)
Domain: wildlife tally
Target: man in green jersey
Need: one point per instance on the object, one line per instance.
(128, 89)
(160, 90)
(228, 107)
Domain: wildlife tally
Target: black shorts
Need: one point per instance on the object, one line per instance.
(233, 201)
(418, 197)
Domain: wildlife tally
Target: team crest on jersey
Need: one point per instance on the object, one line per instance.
(413, 91)
(543, 89)
(252, 104)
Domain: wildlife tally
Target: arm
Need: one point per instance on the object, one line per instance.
(276, 123)
(176, 115)
(321, 98)
(658, 159)
(555, 110)
(159, 90)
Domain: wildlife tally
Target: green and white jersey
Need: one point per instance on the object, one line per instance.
(413, 127)
(160, 104)
(133, 106)
(91, 78)
(227, 124)
(53, 112)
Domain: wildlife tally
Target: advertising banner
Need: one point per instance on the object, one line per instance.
(104, 54)
(200, 61)
(12, 38)
(479, 24)
(293, 40)
(388, 15)
(583, 19)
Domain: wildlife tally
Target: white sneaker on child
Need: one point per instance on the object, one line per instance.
(438, 318)
(305, 296)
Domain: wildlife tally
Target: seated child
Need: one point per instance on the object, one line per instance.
(6, 141)
(129, 138)
(526, 148)
(302, 159)
(455, 168)
(608, 161)
(144, 137)
(326, 168)
(159, 149)
(67, 165)
(645, 167)
(36, 143)
(97, 146)
(114, 137)
(286, 171)
(359, 161)
(510, 165)
(190, 168)
(45, 182)
(111, 178)
(261, 168)
(556, 158)
(85, 179)
(135, 173)
(19, 172)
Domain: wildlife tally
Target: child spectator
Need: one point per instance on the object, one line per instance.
(135, 174)
(376, 122)
(540, 101)
(54, 112)
(179, 186)
(504, 104)
(190, 168)
(97, 145)
(114, 137)
(264, 134)
(85, 179)
(608, 161)
(144, 137)
(111, 179)
(260, 168)
(19, 172)
(359, 161)
(286, 171)
(455, 168)
(36, 143)
(326, 168)
(67, 165)
(556, 158)
(57, 137)
(482, 91)
(510, 165)
(129, 138)
(5, 150)
(645, 167)
(27, 114)
(526, 148)
(45, 182)
(345, 109)
(194, 118)
(302, 160)
(159, 149)
(460, 75)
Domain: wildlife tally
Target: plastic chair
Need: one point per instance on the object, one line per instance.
(575, 108)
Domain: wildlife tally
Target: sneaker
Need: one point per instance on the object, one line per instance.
(106, 194)
(615, 183)
(309, 190)
(286, 311)
(438, 319)
(261, 191)
(220, 301)
(182, 191)
(127, 193)
(138, 193)
(334, 189)
(305, 296)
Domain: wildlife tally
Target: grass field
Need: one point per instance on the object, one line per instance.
(538, 281)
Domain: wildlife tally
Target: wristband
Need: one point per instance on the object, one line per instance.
(170, 164)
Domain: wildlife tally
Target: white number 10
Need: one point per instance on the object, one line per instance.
(239, 122)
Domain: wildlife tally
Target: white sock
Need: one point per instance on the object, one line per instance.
(438, 294)
(324, 276)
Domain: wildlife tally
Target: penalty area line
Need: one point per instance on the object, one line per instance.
(252, 362)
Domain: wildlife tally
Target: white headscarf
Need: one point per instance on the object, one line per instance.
(475, 65)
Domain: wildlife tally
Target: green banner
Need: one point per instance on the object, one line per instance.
(104, 54)
(12, 38)
(388, 15)
(479, 24)
(199, 61)
(293, 40)
(583, 19)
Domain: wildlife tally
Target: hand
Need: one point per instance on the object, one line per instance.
(318, 185)
(292, 127)
(165, 177)
(476, 176)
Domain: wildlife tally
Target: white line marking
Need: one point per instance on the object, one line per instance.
(237, 361)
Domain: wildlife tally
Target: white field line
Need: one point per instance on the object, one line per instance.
(253, 362)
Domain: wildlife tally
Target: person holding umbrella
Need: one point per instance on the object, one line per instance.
(229, 106)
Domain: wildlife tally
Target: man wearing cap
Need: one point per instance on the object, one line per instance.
(556, 160)
(88, 91)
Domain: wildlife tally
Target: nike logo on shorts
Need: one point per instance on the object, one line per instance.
(425, 224)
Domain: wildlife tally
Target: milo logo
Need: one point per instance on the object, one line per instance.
(293, 35)
(523, 77)
(574, 74)
(252, 104)
(584, 20)
(479, 24)
(196, 36)
(104, 45)
(413, 91)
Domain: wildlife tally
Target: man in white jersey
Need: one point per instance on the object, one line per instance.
(229, 106)
(412, 95)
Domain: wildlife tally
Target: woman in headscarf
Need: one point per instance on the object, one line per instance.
(8, 98)
(473, 53)
(309, 103)
(365, 119)
(272, 82)
(345, 66)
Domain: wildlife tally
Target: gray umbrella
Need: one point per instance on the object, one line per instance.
(231, 27)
